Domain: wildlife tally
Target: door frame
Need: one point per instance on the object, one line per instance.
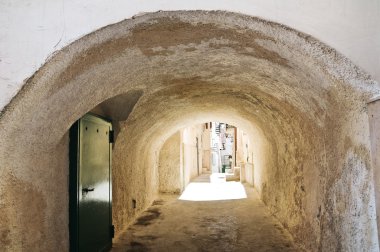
(74, 163)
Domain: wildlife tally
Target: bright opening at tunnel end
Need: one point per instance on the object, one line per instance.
(214, 190)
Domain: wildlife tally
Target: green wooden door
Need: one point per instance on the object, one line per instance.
(93, 194)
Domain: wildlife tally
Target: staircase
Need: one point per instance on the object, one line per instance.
(217, 129)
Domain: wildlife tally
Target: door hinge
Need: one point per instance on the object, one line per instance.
(112, 136)
(112, 231)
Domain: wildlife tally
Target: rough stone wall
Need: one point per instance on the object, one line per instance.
(348, 221)
(34, 200)
(134, 177)
(170, 175)
(302, 103)
(320, 184)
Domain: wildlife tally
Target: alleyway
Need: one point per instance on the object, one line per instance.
(220, 225)
(104, 121)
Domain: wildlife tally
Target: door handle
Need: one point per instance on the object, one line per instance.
(88, 190)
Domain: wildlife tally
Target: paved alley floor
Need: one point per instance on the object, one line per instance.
(201, 224)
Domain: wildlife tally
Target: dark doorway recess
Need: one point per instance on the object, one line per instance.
(91, 184)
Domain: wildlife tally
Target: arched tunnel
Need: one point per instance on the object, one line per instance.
(303, 105)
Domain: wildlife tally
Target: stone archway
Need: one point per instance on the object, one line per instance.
(303, 102)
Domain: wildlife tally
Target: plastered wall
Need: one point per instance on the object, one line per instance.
(192, 165)
(245, 157)
(178, 162)
(171, 166)
(206, 158)
(32, 31)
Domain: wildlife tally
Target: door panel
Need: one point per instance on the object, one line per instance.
(93, 185)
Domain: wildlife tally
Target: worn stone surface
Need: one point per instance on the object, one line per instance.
(301, 102)
(227, 225)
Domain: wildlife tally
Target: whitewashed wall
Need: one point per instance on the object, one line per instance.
(31, 30)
